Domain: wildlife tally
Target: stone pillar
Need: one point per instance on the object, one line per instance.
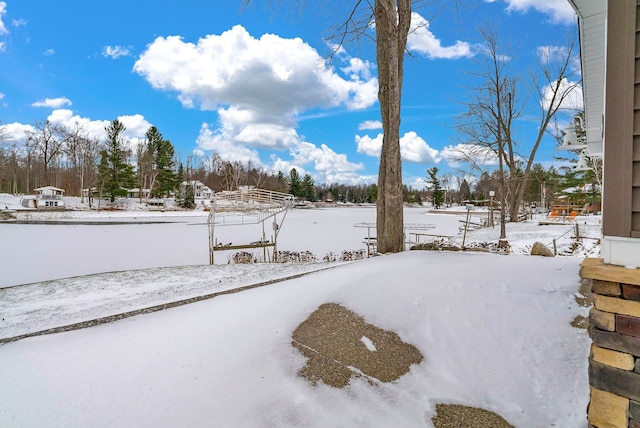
(614, 361)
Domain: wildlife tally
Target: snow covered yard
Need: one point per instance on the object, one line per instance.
(494, 330)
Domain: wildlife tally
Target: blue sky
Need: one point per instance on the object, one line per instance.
(254, 84)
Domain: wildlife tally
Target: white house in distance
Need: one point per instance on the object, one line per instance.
(46, 198)
(200, 191)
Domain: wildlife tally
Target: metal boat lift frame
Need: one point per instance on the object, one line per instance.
(247, 207)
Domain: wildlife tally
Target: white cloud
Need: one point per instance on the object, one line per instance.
(52, 102)
(549, 54)
(370, 124)
(18, 22)
(115, 51)
(412, 148)
(16, 134)
(258, 87)
(469, 153)
(325, 165)
(423, 41)
(560, 11)
(91, 128)
(270, 74)
(284, 166)
(573, 101)
(209, 140)
(369, 146)
(3, 46)
(136, 126)
(3, 11)
(328, 166)
(558, 54)
(245, 126)
(49, 52)
(418, 183)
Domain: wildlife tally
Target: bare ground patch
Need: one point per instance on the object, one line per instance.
(457, 416)
(340, 345)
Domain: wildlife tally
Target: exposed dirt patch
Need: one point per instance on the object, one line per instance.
(585, 296)
(340, 345)
(580, 322)
(457, 416)
(4, 216)
(585, 299)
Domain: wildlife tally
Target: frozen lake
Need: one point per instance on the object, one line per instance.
(40, 252)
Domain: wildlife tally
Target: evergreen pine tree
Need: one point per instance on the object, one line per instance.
(465, 191)
(295, 185)
(188, 200)
(283, 184)
(437, 194)
(373, 193)
(161, 151)
(308, 188)
(115, 175)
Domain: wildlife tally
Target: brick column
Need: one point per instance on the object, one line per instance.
(614, 361)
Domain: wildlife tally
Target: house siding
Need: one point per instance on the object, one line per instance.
(622, 128)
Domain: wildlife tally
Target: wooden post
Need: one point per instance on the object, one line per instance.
(466, 225)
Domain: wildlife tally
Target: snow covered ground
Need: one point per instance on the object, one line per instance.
(494, 330)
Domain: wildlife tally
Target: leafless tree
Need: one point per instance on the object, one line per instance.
(81, 152)
(47, 141)
(4, 135)
(145, 170)
(487, 127)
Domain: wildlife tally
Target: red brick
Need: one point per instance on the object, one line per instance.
(628, 325)
(631, 292)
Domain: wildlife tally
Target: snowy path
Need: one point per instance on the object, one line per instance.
(44, 305)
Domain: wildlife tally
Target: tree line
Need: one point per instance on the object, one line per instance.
(69, 158)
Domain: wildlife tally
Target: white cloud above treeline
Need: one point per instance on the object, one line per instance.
(573, 101)
(412, 148)
(423, 41)
(473, 154)
(259, 87)
(52, 102)
(560, 11)
(254, 82)
(136, 127)
(370, 124)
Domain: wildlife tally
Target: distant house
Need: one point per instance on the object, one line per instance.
(200, 191)
(138, 193)
(46, 198)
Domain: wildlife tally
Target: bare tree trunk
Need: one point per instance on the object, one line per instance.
(393, 19)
